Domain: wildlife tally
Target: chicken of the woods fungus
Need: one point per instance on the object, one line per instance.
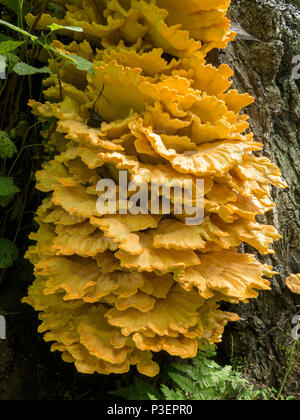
(112, 290)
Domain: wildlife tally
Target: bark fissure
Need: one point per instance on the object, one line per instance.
(264, 69)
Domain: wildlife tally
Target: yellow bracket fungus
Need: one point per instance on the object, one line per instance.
(114, 289)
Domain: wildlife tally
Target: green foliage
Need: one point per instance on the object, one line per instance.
(7, 190)
(7, 186)
(11, 60)
(23, 69)
(140, 390)
(19, 30)
(200, 379)
(8, 46)
(14, 5)
(81, 63)
(11, 4)
(292, 354)
(8, 250)
(4, 38)
(21, 50)
(7, 146)
(8, 253)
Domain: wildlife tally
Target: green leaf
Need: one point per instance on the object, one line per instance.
(152, 397)
(7, 190)
(7, 187)
(171, 395)
(23, 69)
(4, 201)
(11, 60)
(7, 146)
(11, 4)
(17, 29)
(7, 46)
(14, 6)
(8, 253)
(82, 63)
(57, 27)
(5, 38)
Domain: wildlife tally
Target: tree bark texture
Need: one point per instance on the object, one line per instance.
(263, 67)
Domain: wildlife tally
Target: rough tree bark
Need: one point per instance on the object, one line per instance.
(263, 67)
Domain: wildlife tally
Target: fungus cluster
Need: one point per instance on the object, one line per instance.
(112, 289)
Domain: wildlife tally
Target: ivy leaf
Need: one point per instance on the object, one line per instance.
(7, 186)
(57, 27)
(23, 69)
(8, 253)
(16, 29)
(8, 46)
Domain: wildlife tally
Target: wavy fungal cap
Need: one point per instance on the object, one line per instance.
(112, 290)
(293, 283)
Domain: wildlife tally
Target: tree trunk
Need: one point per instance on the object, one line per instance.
(263, 67)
